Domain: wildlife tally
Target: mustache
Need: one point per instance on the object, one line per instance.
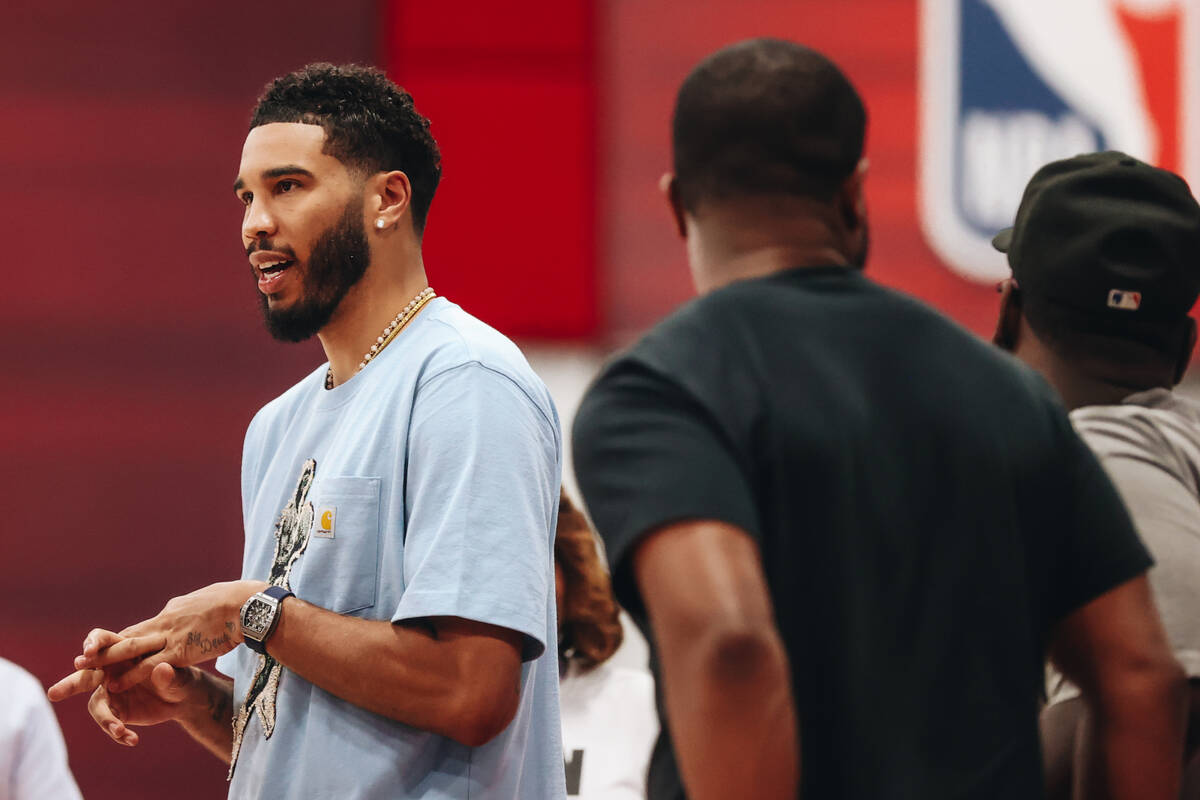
(259, 245)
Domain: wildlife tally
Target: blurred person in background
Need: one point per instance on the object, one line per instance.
(1105, 255)
(33, 757)
(608, 717)
(397, 596)
(848, 527)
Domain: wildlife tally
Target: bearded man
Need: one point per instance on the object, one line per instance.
(396, 599)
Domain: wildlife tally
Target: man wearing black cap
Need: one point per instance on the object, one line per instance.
(849, 527)
(1105, 256)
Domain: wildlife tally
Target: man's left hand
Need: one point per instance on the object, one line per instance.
(191, 629)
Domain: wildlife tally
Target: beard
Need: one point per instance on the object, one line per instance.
(337, 262)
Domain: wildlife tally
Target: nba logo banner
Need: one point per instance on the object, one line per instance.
(1008, 85)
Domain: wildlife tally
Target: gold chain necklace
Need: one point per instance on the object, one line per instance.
(390, 332)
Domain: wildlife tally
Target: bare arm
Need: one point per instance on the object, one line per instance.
(447, 675)
(1062, 727)
(452, 676)
(210, 717)
(1063, 724)
(1135, 694)
(1164, 511)
(726, 677)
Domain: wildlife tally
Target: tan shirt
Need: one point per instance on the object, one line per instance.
(1150, 447)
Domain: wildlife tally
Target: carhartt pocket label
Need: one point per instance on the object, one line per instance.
(325, 522)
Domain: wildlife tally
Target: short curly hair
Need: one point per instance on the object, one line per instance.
(370, 123)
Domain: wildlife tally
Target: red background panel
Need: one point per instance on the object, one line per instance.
(1158, 47)
(648, 50)
(511, 231)
(465, 30)
(511, 94)
(649, 47)
(132, 349)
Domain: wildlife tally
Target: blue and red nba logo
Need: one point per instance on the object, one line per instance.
(1008, 85)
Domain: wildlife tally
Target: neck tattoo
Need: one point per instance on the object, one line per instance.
(390, 332)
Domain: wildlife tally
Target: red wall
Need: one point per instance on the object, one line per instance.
(133, 355)
(554, 124)
(650, 48)
(647, 48)
(511, 92)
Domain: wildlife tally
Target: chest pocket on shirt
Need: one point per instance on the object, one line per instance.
(339, 568)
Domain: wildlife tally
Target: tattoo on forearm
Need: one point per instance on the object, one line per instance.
(208, 644)
(218, 702)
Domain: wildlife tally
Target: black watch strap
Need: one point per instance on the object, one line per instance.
(278, 592)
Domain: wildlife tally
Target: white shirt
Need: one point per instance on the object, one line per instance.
(609, 727)
(33, 757)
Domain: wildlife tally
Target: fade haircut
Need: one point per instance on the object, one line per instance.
(370, 124)
(1115, 348)
(765, 117)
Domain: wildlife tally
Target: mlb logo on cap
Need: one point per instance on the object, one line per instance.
(1009, 85)
(1129, 301)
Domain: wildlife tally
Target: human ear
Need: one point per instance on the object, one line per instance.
(391, 197)
(1008, 323)
(852, 198)
(851, 208)
(668, 184)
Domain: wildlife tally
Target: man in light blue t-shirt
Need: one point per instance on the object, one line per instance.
(397, 600)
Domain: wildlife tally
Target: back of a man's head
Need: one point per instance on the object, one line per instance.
(370, 123)
(1105, 252)
(765, 117)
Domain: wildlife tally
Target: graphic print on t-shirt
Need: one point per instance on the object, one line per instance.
(292, 532)
(574, 770)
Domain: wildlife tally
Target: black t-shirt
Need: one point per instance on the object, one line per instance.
(924, 510)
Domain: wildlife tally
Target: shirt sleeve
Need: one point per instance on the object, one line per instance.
(40, 766)
(1099, 548)
(648, 453)
(482, 483)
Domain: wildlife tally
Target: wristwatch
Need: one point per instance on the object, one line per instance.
(260, 616)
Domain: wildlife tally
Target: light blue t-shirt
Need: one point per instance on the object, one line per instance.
(426, 485)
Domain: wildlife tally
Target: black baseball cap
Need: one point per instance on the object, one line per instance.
(1107, 245)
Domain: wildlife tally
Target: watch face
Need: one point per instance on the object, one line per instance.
(257, 617)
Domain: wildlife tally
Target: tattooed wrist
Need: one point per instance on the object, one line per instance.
(209, 645)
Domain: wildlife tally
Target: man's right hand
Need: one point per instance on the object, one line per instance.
(168, 694)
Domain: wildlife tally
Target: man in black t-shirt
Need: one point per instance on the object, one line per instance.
(849, 528)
